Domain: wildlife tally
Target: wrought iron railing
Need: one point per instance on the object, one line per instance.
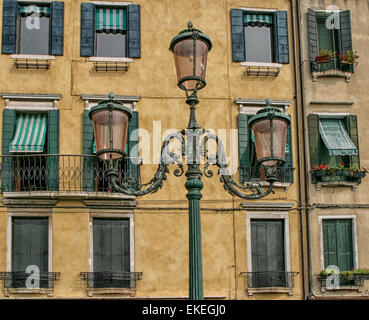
(266, 279)
(25, 280)
(333, 64)
(108, 279)
(59, 172)
(284, 174)
(356, 280)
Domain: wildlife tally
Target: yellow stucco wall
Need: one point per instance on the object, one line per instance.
(161, 236)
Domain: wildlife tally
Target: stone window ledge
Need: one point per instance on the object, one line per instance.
(357, 288)
(288, 291)
(9, 291)
(262, 69)
(121, 291)
(353, 185)
(332, 73)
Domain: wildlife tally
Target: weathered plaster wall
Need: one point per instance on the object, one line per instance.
(161, 236)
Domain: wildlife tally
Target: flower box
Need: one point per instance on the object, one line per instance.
(322, 59)
(359, 174)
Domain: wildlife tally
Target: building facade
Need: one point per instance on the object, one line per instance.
(59, 215)
(337, 151)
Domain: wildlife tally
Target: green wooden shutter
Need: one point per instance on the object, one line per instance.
(53, 148)
(289, 177)
(29, 246)
(312, 38)
(243, 147)
(345, 36)
(9, 34)
(87, 29)
(238, 35)
(352, 129)
(338, 243)
(111, 249)
(134, 31)
(267, 250)
(314, 139)
(88, 162)
(133, 169)
(57, 28)
(7, 166)
(281, 46)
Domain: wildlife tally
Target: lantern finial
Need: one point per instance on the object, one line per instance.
(111, 95)
(189, 24)
(268, 102)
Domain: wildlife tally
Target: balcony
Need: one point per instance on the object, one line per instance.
(269, 282)
(284, 175)
(333, 68)
(59, 173)
(342, 282)
(111, 282)
(17, 282)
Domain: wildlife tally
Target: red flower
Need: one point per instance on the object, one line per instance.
(342, 163)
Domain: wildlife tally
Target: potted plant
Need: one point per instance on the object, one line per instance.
(324, 56)
(348, 57)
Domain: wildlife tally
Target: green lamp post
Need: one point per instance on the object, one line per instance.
(110, 120)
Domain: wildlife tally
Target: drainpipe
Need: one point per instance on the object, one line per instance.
(299, 151)
(305, 151)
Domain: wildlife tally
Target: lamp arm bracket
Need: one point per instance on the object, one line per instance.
(229, 184)
(156, 183)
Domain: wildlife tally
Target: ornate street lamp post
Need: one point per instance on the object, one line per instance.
(110, 120)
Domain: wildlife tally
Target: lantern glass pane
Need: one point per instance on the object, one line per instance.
(120, 121)
(184, 61)
(263, 142)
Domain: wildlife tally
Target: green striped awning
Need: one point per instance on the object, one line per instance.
(35, 9)
(30, 133)
(111, 20)
(336, 138)
(258, 19)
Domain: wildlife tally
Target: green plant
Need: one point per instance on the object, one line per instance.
(348, 57)
(345, 274)
(323, 53)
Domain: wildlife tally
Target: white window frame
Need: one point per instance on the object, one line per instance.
(28, 214)
(109, 215)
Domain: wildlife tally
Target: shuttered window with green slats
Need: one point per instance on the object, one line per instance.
(259, 36)
(29, 247)
(268, 254)
(324, 33)
(320, 154)
(338, 245)
(248, 159)
(110, 31)
(111, 248)
(33, 28)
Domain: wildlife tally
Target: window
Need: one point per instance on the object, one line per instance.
(259, 36)
(268, 254)
(325, 35)
(27, 138)
(338, 245)
(111, 253)
(29, 248)
(110, 31)
(248, 159)
(33, 29)
(333, 143)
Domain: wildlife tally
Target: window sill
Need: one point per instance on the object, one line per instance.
(357, 288)
(92, 292)
(288, 291)
(353, 185)
(111, 64)
(9, 291)
(332, 73)
(32, 62)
